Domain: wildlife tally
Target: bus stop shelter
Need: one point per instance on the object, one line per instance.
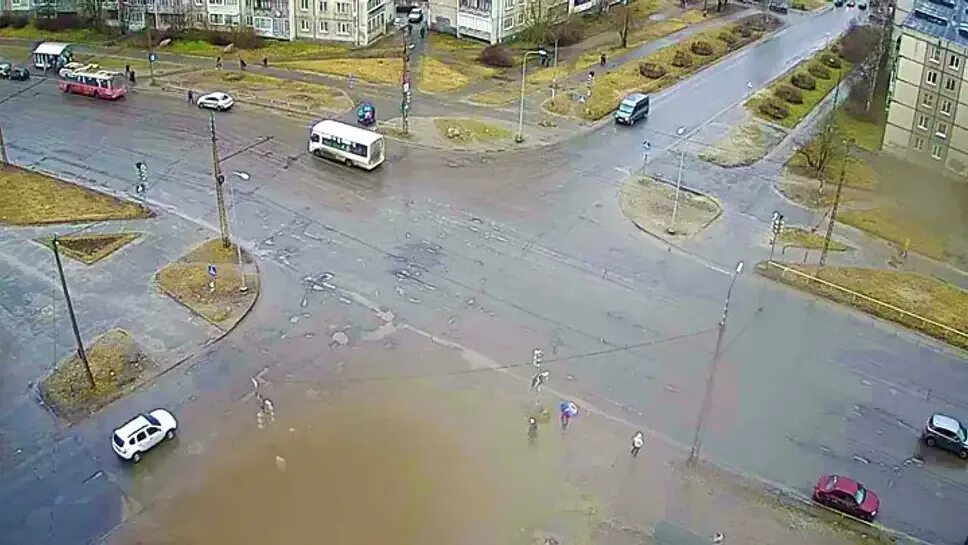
(49, 55)
(667, 533)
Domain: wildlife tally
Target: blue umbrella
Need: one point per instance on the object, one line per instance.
(569, 408)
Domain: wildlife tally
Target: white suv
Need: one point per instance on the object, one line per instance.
(142, 433)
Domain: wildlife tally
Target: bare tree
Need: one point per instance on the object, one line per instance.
(94, 11)
(819, 150)
(622, 20)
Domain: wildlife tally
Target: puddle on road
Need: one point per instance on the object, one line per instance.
(400, 463)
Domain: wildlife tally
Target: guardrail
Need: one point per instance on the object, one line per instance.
(927, 325)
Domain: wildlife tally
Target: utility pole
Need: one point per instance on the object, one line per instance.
(675, 205)
(81, 353)
(405, 83)
(625, 24)
(833, 210)
(151, 45)
(223, 222)
(3, 148)
(711, 379)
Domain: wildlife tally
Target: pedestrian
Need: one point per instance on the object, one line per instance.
(242, 64)
(265, 61)
(532, 429)
(423, 32)
(603, 60)
(565, 420)
(637, 441)
(218, 63)
(127, 69)
(131, 78)
(191, 97)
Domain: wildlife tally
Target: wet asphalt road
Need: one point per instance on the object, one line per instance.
(506, 253)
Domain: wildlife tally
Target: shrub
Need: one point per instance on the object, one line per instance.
(18, 21)
(804, 81)
(728, 37)
(743, 31)
(62, 21)
(799, 5)
(819, 71)
(496, 56)
(651, 70)
(702, 47)
(568, 33)
(774, 109)
(682, 59)
(831, 60)
(789, 94)
(5, 20)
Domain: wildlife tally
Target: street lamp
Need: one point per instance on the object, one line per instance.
(554, 68)
(524, 65)
(711, 379)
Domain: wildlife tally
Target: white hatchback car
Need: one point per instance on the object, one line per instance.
(216, 101)
(143, 432)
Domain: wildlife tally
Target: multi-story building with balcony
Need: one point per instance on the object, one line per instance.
(927, 118)
(496, 21)
(161, 14)
(360, 22)
(40, 7)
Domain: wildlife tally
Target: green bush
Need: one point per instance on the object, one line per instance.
(702, 47)
(728, 38)
(804, 81)
(651, 70)
(831, 60)
(774, 109)
(789, 94)
(819, 71)
(18, 21)
(682, 59)
(496, 56)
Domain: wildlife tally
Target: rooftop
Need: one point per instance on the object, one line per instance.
(943, 19)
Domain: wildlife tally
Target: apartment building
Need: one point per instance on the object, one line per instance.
(494, 21)
(47, 7)
(927, 118)
(359, 22)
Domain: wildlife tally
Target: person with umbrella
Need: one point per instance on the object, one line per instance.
(568, 411)
(637, 441)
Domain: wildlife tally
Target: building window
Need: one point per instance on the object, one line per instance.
(936, 151)
(304, 25)
(216, 2)
(949, 84)
(343, 28)
(942, 130)
(520, 19)
(373, 4)
(199, 17)
(199, 2)
(954, 61)
(508, 22)
(945, 107)
(931, 78)
(927, 100)
(934, 53)
(304, 5)
(324, 27)
(342, 7)
(918, 143)
(248, 20)
(262, 23)
(261, 4)
(508, 4)
(923, 122)
(215, 18)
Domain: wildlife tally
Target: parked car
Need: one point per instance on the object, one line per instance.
(415, 15)
(862, 4)
(5, 68)
(216, 101)
(143, 432)
(947, 433)
(779, 6)
(851, 3)
(633, 108)
(838, 3)
(19, 73)
(847, 496)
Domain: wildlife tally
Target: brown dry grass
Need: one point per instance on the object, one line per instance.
(32, 198)
(115, 361)
(801, 238)
(188, 282)
(266, 88)
(928, 297)
(649, 204)
(91, 248)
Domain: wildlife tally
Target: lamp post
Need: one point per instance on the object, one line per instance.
(554, 68)
(711, 379)
(524, 66)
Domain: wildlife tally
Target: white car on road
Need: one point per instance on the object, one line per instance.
(216, 101)
(415, 15)
(143, 432)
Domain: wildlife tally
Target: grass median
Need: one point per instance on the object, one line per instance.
(268, 89)
(91, 248)
(923, 296)
(667, 66)
(385, 71)
(32, 198)
(464, 130)
(649, 204)
(796, 237)
(219, 299)
(116, 363)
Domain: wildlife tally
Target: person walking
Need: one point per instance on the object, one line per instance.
(565, 420)
(218, 63)
(532, 430)
(603, 60)
(191, 97)
(637, 441)
(265, 61)
(242, 64)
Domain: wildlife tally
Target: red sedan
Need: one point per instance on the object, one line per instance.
(846, 495)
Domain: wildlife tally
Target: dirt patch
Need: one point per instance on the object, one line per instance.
(91, 248)
(467, 131)
(32, 198)
(743, 145)
(465, 134)
(796, 237)
(220, 299)
(265, 89)
(649, 204)
(924, 296)
(116, 362)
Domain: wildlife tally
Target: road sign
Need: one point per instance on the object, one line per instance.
(152, 57)
(211, 271)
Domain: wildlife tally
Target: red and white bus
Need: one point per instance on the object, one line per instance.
(91, 81)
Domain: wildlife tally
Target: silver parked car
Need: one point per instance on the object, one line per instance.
(946, 433)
